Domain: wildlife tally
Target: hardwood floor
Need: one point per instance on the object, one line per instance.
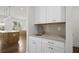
(75, 49)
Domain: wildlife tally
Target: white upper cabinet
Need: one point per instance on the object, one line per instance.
(55, 14)
(40, 15)
(49, 14)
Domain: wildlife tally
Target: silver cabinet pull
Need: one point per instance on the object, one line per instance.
(50, 48)
(51, 42)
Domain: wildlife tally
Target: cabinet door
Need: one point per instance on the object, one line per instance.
(40, 15)
(34, 45)
(44, 46)
(55, 14)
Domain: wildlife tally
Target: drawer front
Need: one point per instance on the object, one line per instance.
(56, 43)
(59, 44)
(51, 46)
(50, 43)
(58, 50)
(52, 49)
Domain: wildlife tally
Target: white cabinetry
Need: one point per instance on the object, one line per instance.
(49, 14)
(34, 45)
(45, 45)
(40, 15)
(55, 14)
(52, 46)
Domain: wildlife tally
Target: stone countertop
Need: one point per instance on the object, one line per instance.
(6, 31)
(9, 31)
(51, 37)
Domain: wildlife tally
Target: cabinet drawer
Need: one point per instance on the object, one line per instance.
(51, 43)
(55, 43)
(59, 44)
(58, 50)
(55, 49)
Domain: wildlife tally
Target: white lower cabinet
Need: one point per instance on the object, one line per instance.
(58, 50)
(52, 46)
(41, 45)
(34, 45)
(44, 47)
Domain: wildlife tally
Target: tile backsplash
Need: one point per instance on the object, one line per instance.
(57, 28)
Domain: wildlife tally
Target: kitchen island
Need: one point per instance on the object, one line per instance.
(9, 41)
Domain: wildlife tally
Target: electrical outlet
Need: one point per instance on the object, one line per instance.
(58, 28)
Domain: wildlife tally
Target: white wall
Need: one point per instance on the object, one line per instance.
(69, 40)
(32, 28)
(75, 25)
(72, 28)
